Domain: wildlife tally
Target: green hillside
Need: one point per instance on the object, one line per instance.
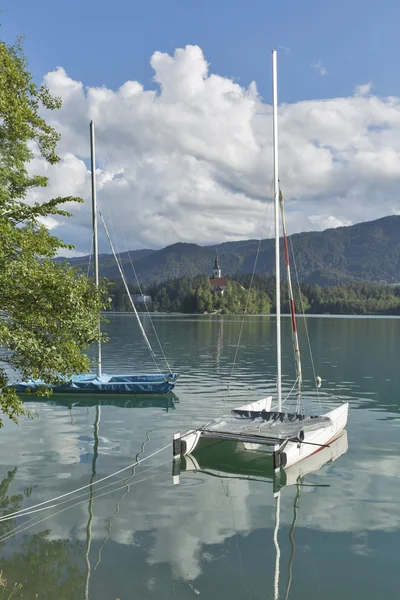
(367, 251)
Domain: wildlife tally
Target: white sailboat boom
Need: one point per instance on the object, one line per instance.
(276, 211)
(95, 239)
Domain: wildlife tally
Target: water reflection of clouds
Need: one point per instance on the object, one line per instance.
(184, 521)
(52, 438)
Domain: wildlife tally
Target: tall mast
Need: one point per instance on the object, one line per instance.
(95, 242)
(276, 204)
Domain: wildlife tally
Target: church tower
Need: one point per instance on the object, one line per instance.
(217, 282)
(216, 270)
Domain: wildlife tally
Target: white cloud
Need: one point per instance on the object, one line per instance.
(364, 89)
(320, 68)
(328, 221)
(192, 161)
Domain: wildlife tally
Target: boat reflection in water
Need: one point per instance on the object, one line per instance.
(230, 460)
(165, 402)
(88, 400)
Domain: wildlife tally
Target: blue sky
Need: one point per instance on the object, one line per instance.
(194, 162)
(106, 42)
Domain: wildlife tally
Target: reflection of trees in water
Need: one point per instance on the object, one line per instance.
(47, 569)
(10, 504)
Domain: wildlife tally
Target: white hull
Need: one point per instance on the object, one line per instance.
(308, 465)
(314, 441)
(315, 462)
(291, 452)
(297, 452)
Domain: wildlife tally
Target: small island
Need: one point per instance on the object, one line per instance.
(247, 294)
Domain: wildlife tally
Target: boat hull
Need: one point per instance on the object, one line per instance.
(130, 384)
(286, 452)
(232, 459)
(295, 452)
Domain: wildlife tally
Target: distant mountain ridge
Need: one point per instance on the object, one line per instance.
(368, 251)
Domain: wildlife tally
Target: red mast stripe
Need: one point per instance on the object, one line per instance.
(293, 316)
(286, 249)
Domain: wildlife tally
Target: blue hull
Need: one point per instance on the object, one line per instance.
(134, 384)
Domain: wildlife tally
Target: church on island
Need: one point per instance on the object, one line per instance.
(217, 282)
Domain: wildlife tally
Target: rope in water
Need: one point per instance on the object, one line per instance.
(84, 495)
(21, 528)
(22, 512)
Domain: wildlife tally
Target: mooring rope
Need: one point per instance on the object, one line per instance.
(13, 531)
(22, 512)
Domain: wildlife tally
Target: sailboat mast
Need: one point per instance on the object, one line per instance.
(276, 205)
(95, 241)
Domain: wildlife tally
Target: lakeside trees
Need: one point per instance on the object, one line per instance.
(194, 295)
(49, 312)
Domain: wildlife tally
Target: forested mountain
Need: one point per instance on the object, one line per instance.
(367, 251)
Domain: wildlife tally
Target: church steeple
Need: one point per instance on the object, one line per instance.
(216, 271)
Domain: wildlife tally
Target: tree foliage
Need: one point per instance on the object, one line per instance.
(194, 295)
(49, 311)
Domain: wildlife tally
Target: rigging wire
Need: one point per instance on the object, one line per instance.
(305, 321)
(146, 339)
(295, 339)
(290, 393)
(267, 208)
(90, 259)
(145, 304)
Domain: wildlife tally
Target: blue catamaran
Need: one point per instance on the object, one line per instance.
(101, 383)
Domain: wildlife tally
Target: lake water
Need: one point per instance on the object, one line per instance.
(140, 536)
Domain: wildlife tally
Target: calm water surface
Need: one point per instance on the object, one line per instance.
(139, 536)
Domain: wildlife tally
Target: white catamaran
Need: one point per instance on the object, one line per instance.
(289, 437)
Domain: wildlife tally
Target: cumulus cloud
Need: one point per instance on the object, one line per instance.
(192, 160)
